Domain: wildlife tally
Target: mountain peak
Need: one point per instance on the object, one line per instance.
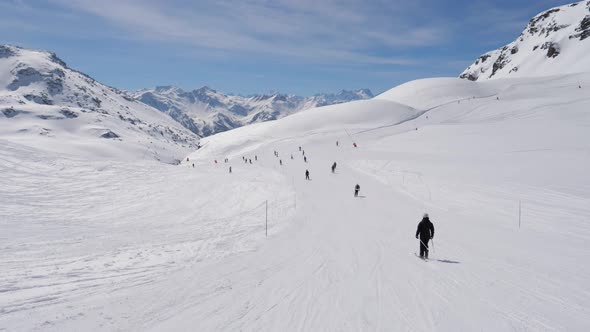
(553, 42)
(206, 111)
(167, 89)
(204, 89)
(38, 90)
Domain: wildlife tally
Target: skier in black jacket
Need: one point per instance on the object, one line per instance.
(425, 233)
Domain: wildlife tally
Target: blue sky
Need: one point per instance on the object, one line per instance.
(254, 46)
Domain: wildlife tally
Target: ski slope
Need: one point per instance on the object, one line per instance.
(144, 246)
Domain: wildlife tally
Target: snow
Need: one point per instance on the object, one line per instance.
(137, 245)
(206, 111)
(72, 112)
(560, 27)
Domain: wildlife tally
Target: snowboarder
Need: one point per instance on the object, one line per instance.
(216, 161)
(336, 143)
(424, 233)
(307, 174)
(291, 156)
(333, 167)
(357, 188)
(354, 144)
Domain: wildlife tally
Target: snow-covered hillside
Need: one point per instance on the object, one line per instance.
(500, 166)
(46, 105)
(206, 111)
(554, 42)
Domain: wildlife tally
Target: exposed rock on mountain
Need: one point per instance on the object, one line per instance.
(205, 111)
(553, 42)
(40, 95)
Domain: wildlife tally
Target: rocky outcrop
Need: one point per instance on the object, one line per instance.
(539, 48)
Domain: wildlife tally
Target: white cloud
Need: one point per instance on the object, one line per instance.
(351, 31)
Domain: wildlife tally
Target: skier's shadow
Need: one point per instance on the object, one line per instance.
(447, 261)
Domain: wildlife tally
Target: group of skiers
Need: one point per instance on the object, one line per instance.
(424, 232)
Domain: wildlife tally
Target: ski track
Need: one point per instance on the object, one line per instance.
(150, 247)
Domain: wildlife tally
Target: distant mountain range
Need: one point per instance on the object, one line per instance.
(205, 111)
(40, 96)
(46, 104)
(50, 106)
(554, 42)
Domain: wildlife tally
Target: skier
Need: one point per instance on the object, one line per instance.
(333, 167)
(299, 148)
(336, 143)
(354, 144)
(291, 156)
(281, 162)
(424, 233)
(256, 157)
(303, 152)
(250, 160)
(230, 169)
(357, 188)
(304, 158)
(193, 165)
(307, 174)
(186, 158)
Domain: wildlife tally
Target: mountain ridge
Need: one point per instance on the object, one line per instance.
(41, 95)
(553, 42)
(205, 111)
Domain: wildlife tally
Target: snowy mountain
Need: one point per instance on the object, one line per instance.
(46, 104)
(500, 166)
(554, 42)
(215, 243)
(205, 111)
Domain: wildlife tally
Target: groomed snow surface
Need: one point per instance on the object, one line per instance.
(99, 245)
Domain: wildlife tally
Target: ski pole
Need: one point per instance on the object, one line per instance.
(426, 246)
